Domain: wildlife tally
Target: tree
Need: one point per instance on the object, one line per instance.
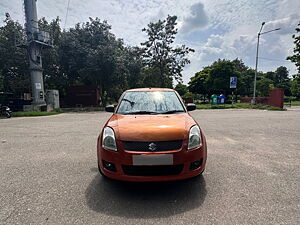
(159, 53)
(90, 54)
(295, 86)
(181, 89)
(219, 76)
(264, 85)
(52, 68)
(13, 60)
(198, 83)
(296, 57)
(282, 80)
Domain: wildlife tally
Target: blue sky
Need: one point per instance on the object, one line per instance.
(214, 28)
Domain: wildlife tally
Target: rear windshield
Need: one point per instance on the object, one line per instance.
(150, 102)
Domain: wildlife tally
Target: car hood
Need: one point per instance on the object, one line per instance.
(151, 127)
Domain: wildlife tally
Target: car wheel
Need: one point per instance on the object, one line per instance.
(8, 115)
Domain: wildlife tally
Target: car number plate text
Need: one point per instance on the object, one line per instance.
(157, 159)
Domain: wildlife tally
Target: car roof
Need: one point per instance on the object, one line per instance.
(150, 89)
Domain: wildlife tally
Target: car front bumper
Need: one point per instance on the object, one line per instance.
(126, 171)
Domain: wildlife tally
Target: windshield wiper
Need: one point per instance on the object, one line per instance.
(126, 100)
(140, 112)
(172, 111)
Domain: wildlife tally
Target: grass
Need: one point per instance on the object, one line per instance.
(199, 106)
(58, 111)
(238, 106)
(82, 109)
(33, 113)
(294, 103)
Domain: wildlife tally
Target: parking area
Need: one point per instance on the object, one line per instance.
(49, 173)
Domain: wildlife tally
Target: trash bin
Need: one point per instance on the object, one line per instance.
(214, 99)
(222, 99)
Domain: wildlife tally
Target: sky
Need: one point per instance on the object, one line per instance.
(213, 28)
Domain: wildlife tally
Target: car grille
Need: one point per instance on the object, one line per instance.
(152, 170)
(140, 146)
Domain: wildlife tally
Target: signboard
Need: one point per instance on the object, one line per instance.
(233, 82)
(38, 86)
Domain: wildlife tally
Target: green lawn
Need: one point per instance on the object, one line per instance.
(238, 106)
(33, 113)
(295, 103)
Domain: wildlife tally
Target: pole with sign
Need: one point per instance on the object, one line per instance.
(233, 84)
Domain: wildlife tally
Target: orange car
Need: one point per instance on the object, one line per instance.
(151, 137)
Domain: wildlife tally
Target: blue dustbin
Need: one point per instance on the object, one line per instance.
(222, 98)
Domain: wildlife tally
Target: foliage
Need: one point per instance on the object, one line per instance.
(90, 54)
(198, 83)
(181, 89)
(296, 57)
(33, 113)
(162, 59)
(282, 80)
(14, 75)
(214, 79)
(239, 106)
(263, 86)
(188, 95)
(295, 86)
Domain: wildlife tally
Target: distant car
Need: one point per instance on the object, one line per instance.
(151, 137)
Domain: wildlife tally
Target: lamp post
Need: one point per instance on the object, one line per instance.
(256, 62)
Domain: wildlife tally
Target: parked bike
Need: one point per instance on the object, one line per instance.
(5, 111)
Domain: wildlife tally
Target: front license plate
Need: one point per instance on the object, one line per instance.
(159, 159)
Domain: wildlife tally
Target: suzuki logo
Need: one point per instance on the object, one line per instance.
(152, 147)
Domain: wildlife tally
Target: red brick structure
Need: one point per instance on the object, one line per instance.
(275, 98)
(82, 96)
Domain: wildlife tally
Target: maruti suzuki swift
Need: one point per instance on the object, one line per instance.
(151, 137)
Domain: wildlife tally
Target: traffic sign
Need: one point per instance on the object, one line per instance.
(233, 82)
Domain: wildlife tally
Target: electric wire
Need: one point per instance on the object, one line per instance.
(278, 60)
(66, 18)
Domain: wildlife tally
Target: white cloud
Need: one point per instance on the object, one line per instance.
(230, 30)
(196, 20)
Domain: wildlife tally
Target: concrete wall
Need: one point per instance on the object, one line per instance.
(276, 97)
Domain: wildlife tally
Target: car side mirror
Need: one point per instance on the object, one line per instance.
(191, 106)
(110, 108)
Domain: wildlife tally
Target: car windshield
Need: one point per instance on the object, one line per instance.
(150, 102)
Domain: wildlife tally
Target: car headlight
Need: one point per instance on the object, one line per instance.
(108, 139)
(194, 138)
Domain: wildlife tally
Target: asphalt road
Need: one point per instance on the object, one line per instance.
(49, 174)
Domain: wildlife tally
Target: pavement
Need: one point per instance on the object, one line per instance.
(49, 175)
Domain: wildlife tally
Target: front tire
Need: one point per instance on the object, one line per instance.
(7, 114)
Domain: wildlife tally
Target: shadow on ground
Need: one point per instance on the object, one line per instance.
(145, 200)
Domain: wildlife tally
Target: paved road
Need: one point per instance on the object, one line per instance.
(49, 174)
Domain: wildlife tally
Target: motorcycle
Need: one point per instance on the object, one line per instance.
(5, 111)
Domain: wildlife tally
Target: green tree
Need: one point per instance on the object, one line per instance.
(198, 83)
(282, 80)
(90, 54)
(181, 89)
(264, 85)
(52, 72)
(13, 60)
(296, 57)
(159, 53)
(295, 86)
(219, 76)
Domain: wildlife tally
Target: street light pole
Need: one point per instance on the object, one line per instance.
(256, 62)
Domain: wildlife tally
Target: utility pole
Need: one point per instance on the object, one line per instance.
(253, 101)
(36, 40)
(256, 62)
